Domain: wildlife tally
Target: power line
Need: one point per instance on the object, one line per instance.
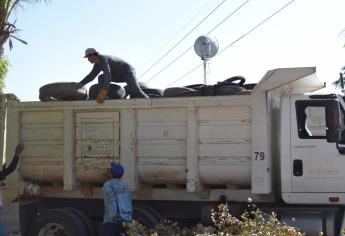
(183, 38)
(238, 39)
(177, 33)
(184, 52)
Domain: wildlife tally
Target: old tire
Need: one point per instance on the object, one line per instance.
(63, 91)
(241, 80)
(114, 92)
(57, 222)
(176, 91)
(228, 90)
(153, 92)
(249, 86)
(145, 216)
(88, 224)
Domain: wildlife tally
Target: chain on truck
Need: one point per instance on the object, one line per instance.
(282, 145)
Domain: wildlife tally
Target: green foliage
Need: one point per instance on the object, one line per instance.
(253, 222)
(7, 28)
(3, 71)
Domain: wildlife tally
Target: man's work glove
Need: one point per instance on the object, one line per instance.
(101, 95)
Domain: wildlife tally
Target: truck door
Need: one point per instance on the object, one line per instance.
(316, 165)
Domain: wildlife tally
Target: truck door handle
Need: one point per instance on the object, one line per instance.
(297, 167)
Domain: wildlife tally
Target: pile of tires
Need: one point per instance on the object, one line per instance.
(151, 92)
(232, 86)
(62, 91)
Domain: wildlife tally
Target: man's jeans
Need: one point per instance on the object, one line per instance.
(132, 83)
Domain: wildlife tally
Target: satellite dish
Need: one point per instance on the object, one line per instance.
(206, 46)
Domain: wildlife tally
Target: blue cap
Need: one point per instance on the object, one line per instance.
(117, 170)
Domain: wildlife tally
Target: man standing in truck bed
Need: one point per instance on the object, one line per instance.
(117, 202)
(114, 69)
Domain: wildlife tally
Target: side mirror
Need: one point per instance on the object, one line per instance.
(333, 121)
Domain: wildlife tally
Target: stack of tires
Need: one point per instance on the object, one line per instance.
(74, 91)
(232, 86)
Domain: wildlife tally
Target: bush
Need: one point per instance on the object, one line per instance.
(253, 222)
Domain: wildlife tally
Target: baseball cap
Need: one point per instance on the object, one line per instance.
(117, 169)
(90, 51)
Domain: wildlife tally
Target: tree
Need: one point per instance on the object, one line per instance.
(8, 29)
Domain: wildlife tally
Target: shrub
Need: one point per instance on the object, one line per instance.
(253, 222)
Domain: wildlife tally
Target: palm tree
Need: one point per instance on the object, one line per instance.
(8, 29)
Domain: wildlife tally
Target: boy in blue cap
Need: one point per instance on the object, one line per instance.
(117, 202)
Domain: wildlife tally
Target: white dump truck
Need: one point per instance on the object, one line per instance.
(279, 145)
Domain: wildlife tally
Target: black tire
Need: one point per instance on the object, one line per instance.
(153, 92)
(245, 92)
(195, 86)
(114, 92)
(145, 217)
(62, 91)
(232, 80)
(159, 217)
(57, 220)
(176, 91)
(89, 226)
(228, 90)
(249, 86)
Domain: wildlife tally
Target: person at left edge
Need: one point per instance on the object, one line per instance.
(4, 173)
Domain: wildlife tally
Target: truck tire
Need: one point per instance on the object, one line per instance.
(57, 222)
(228, 90)
(62, 91)
(145, 217)
(114, 92)
(179, 92)
(249, 86)
(88, 224)
(241, 80)
(152, 93)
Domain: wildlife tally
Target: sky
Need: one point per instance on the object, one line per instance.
(306, 33)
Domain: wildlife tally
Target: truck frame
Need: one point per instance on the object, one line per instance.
(281, 146)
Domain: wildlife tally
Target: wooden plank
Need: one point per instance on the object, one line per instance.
(128, 148)
(42, 117)
(69, 180)
(225, 113)
(225, 150)
(193, 181)
(162, 150)
(109, 115)
(225, 131)
(44, 134)
(161, 131)
(162, 114)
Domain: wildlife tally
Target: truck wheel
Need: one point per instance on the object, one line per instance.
(57, 222)
(145, 217)
(88, 224)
